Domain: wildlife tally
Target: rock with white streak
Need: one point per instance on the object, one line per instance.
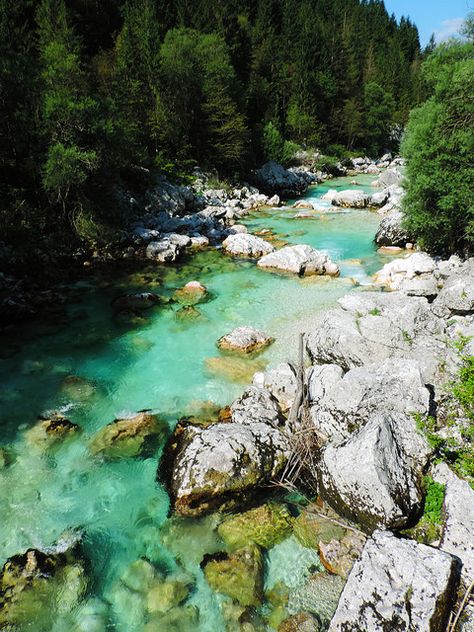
(397, 586)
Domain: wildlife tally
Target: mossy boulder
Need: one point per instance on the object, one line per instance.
(35, 586)
(188, 313)
(266, 526)
(136, 436)
(238, 575)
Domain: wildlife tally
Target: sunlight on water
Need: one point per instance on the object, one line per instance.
(96, 365)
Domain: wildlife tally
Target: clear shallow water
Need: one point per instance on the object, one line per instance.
(159, 362)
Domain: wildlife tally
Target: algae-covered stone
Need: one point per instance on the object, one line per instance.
(35, 586)
(139, 576)
(51, 431)
(190, 539)
(192, 293)
(136, 436)
(238, 575)
(166, 595)
(266, 526)
(188, 313)
(245, 340)
(339, 556)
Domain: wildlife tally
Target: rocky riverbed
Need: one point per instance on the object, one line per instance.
(215, 545)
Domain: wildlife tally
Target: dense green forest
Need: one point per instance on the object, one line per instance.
(99, 93)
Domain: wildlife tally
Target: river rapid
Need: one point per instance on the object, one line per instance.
(95, 365)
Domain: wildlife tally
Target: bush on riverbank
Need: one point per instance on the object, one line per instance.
(438, 146)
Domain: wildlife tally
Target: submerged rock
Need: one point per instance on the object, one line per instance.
(266, 526)
(245, 340)
(385, 489)
(245, 245)
(142, 300)
(319, 596)
(301, 622)
(397, 585)
(238, 575)
(190, 294)
(237, 368)
(301, 259)
(135, 436)
(35, 585)
(338, 556)
(221, 464)
(51, 431)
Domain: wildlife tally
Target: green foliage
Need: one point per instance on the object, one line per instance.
(439, 145)
(275, 147)
(455, 445)
(428, 528)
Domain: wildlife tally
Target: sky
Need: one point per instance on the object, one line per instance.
(441, 17)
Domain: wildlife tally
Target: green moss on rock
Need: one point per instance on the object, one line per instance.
(137, 436)
(238, 575)
(266, 526)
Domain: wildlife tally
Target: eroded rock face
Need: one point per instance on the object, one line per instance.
(273, 178)
(374, 477)
(220, 464)
(301, 259)
(280, 382)
(342, 403)
(244, 340)
(373, 326)
(135, 436)
(245, 245)
(256, 405)
(397, 585)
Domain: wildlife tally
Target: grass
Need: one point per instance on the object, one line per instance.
(429, 527)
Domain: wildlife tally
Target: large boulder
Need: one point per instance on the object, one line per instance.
(352, 198)
(391, 231)
(220, 465)
(244, 340)
(301, 259)
(397, 585)
(374, 477)
(245, 245)
(172, 199)
(163, 251)
(342, 403)
(370, 327)
(256, 404)
(273, 178)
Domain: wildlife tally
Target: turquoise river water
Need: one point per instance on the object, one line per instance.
(171, 365)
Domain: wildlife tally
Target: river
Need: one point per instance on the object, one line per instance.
(94, 366)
